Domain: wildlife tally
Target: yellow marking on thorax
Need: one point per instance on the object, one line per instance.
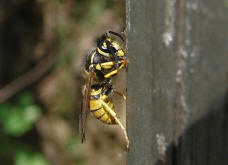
(98, 67)
(104, 45)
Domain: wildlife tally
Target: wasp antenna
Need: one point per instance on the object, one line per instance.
(116, 34)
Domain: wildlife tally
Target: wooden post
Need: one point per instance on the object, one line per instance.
(177, 82)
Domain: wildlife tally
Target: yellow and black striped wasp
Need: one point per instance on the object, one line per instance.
(101, 64)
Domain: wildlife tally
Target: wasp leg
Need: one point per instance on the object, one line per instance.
(110, 64)
(113, 114)
(116, 70)
(112, 50)
(121, 94)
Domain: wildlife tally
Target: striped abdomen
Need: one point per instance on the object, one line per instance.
(100, 112)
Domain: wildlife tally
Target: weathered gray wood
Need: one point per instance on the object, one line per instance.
(177, 82)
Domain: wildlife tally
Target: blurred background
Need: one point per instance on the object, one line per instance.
(42, 48)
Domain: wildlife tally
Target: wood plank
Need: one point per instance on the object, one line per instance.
(177, 81)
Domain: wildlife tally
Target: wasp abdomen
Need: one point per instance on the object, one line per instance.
(100, 112)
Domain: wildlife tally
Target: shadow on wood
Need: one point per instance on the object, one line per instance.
(203, 143)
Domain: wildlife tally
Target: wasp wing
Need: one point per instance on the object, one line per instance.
(85, 105)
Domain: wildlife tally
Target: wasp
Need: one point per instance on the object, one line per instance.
(103, 63)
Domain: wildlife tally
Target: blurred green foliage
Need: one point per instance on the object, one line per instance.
(16, 119)
(88, 11)
(20, 118)
(73, 144)
(29, 158)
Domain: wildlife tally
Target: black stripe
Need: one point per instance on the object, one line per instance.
(101, 116)
(94, 110)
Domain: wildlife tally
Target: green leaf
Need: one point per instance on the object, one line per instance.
(4, 111)
(17, 121)
(25, 99)
(28, 158)
(73, 144)
(31, 114)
